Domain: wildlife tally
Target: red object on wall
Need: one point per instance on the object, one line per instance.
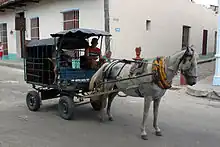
(138, 53)
(182, 80)
(3, 1)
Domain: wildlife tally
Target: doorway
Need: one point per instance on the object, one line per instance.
(185, 36)
(215, 43)
(20, 27)
(204, 42)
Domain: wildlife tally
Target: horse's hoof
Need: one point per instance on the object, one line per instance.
(158, 133)
(101, 120)
(110, 119)
(144, 137)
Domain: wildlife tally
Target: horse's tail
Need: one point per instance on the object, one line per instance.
(98, 76)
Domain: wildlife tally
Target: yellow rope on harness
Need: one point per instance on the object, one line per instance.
(160, 77)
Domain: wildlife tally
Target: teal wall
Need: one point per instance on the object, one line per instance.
(10, 56)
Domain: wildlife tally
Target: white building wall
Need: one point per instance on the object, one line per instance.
(165, 34)
(51, 19)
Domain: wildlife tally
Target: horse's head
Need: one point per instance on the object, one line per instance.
(188, 66)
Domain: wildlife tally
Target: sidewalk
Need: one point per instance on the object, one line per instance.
(19, 64)
(204, 88)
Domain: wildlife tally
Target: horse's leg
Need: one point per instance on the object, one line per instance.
(103, 100)
(155, 122)
(102, 112)
(147, 102)
(110, 99)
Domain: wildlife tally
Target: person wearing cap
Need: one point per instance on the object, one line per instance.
(93, 53)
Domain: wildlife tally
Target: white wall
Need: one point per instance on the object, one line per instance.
(9, 18)
(165, 35)
(50, 17)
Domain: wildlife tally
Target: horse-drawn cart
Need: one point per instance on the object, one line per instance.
(57, 68)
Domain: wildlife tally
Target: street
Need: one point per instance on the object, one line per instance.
(206, 69)
(185, 121)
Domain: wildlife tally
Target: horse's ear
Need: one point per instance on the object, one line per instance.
(186, 51)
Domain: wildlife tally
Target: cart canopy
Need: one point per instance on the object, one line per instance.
(81, 32)
(42, 42)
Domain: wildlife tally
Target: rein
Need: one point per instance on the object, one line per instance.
(125, 79)
(158, 71)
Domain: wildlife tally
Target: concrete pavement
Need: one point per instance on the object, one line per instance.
(204, 88)
(184, 120)
(14, 64)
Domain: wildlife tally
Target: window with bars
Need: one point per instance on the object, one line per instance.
(35, 28)
(71, 19)
(3, 37)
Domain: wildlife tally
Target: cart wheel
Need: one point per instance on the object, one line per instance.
(33, 101)
(96, 105)
(66, 107)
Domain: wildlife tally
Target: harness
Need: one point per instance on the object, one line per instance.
(159, 76)
(158, 72)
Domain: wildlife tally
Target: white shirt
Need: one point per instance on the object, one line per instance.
(1, 48)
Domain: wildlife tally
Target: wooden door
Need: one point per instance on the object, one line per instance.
(185, 36)
(204, 43)
(215, 43)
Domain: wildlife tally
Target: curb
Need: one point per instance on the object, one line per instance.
(206, 60)
(209, 94)
(12, 65)
(176, 87)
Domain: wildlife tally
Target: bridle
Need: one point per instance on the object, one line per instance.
(183, 58)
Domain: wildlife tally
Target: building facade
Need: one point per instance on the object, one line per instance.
(158, 27)
(161, 27)
(45, 17)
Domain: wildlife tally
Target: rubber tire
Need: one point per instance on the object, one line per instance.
(68, 101)
(96, 105)
(37, 101)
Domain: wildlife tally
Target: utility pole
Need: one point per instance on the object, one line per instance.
(216, 79)
(107, 25)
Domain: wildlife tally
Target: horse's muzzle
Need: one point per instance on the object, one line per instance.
(191, 83)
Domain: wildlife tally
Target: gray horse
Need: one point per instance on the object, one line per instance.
(151, 87)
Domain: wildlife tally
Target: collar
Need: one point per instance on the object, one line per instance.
(160, 76)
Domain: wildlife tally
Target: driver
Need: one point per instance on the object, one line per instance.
(93, 53)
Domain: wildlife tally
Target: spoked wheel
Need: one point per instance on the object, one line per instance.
(66, 107)
(33, 101)
(96, 105)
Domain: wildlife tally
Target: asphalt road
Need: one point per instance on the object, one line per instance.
(185, 121)
(206, 69)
